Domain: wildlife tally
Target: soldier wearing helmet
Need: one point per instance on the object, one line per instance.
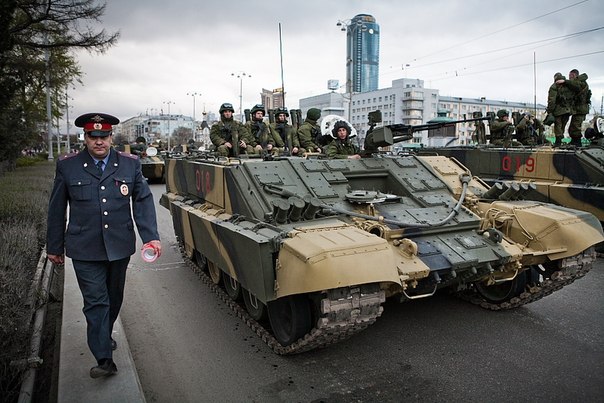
(341, 147)
(286, 137)
(230, 137)
(529, 130)
(559, 105)
(262, 135)
(501, 129)
(308, 131)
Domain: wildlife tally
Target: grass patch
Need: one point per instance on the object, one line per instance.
(24, 195)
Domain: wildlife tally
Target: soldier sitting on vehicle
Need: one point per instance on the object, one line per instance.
(230, 137)
(502, 129)
(286, 137)
(341, 147)
(529, 130)
(263, 139)
(308, 131)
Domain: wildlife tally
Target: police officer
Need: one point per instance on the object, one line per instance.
(99, 184)
(501, 129)
(286, 137)
(230, 137)
(341, 147)
(308, 131)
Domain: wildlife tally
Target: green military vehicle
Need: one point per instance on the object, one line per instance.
(313, 247)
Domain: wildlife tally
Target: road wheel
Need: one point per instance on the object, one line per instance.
(290, 318)
(215, 273)
(200, 260)
(232, 287)
(254, 306)
(505, 291)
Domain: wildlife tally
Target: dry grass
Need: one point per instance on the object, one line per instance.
(23, 209)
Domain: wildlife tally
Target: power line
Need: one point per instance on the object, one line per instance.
(501, 30)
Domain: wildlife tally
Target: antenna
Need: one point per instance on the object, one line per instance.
(281, 57)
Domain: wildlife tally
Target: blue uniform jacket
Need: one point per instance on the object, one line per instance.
(100, 223)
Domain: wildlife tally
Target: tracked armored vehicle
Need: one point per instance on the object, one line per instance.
(317, 245)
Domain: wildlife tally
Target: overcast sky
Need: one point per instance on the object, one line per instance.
(465, 48)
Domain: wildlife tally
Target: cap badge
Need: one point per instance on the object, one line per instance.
(124, 189)
(98, 126)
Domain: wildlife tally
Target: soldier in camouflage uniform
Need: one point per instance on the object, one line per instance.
(286, 137)
(559, 105)
(577, 83)
(229, 133)
(529, 131)
(341, 147)
(307, 133)
(263, 139)
(501, 129)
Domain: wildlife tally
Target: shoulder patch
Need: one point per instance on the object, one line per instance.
(128, 155)
(67, 156)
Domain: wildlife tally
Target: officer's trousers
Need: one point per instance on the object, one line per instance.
(102, 286)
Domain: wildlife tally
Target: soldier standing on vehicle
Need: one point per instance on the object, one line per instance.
(577, 83)
(101, 190)
(262, 136)
(230, 137)
(286, 137)
(341, 147)
(559, 105)
(502, 129)
(309, 130)
(529, 130)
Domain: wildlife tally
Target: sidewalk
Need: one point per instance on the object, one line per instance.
(75, 384)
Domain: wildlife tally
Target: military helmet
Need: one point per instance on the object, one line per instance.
(279, 111)
(226, 107)
(339, 124)
(502, 112)
(258, 107)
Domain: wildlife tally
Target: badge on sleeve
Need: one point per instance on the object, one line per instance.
(124, 189)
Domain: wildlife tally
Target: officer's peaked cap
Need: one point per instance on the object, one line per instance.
(97, 124)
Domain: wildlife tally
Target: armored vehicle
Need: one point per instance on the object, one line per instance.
(152, 163)
(317, 245)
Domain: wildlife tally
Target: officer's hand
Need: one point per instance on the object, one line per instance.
(229, 145)
(56, 259)
(156, 245)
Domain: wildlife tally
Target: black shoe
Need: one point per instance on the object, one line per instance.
(558, 142)
(106, 368)
(113, 344)
(576, 143)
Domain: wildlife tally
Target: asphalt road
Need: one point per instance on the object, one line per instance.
(189, 347)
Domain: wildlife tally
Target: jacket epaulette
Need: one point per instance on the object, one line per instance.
(66, 156)
(128, 155)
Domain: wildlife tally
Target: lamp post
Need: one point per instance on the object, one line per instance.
(194, 94)
(240, 76)
(169, 118)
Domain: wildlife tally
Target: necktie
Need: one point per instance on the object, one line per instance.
(99, 167)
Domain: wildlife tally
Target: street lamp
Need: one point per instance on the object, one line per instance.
(194, 94)
(169, 118)
(240, 76)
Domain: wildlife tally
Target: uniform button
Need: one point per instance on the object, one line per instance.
(102, 187)
(105, 213)
(104, 200)
(106, 225)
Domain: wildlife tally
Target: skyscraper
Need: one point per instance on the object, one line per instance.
(362, 54)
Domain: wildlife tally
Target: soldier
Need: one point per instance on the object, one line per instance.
(559, 104)
(262, 135)
(308, 131)
(529, 131)
(230, 137)
(341, 147)
(101, 188)
(286, 136)
(502, 129)
(480, 135)
(577, 83)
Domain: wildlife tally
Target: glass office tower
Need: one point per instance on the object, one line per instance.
(362, 55)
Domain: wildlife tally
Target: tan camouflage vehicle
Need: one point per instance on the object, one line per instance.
(317, 245)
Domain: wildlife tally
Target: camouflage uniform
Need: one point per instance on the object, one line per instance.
(501, 129)
(529, 131)
(341, 148)
(261, 134)
(286, 137)
(232, 131)
(559, 104)
(581, 102)
(309, 130)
